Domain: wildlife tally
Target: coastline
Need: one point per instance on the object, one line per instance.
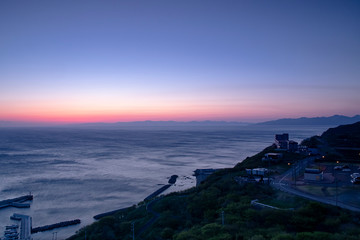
(95, 177)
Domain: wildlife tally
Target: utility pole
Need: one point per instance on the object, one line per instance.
(296, 168)
(133, 230)
(268, 172)
(222, 218)
(336, 193)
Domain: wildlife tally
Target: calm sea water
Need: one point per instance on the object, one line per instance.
(78, 173)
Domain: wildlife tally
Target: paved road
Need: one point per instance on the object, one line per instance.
(284, 184)
(152, 220)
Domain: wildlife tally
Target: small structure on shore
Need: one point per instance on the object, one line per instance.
(202, 174)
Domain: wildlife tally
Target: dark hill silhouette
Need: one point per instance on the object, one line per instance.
(343, 136)
(333, 120)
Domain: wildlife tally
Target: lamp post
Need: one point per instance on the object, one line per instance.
(336, 184)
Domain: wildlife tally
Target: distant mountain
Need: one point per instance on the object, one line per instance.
(136, 124)
(18, 124)
(333, 120)
(162, 124)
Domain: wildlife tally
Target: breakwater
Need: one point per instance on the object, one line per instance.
(56, 225)
(157, 192)
(97, 217)
(16, 202)
(172, 180)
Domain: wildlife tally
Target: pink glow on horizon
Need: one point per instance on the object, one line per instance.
(180, 115)
(91, 118)
(58, 112)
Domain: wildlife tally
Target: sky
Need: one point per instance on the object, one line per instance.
(115, 61)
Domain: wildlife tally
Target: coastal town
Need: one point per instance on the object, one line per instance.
(312, 169)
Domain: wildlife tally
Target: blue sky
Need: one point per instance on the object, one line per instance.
(178, 60)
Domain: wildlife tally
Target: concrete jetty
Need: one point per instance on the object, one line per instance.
(17, 202)
(25, 227)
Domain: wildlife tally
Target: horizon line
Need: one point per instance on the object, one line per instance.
(62, 123)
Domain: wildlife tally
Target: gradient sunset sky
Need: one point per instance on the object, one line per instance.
(109, 61)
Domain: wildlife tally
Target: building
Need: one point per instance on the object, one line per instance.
(272, 157)
(312, 174)
(257, 171)
(281, 140)
(303, 149)
(292, 146)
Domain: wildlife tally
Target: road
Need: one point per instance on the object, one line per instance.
(152, 220)
(282, 183)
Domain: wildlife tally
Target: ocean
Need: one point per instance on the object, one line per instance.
(78, 173)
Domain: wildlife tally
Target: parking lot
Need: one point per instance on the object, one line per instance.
(340, 173)
(336, 183)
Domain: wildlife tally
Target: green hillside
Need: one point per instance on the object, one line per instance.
(343, 136)
(344, 142)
